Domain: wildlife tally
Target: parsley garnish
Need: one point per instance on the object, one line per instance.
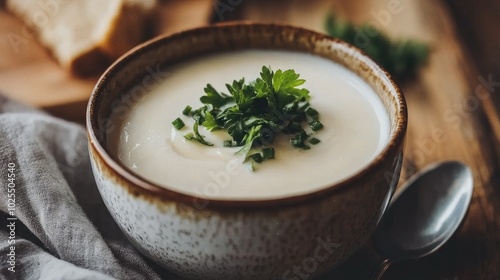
(253, 113)
(400, 58)
(196, 136)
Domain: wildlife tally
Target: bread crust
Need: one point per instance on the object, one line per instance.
(85, 35)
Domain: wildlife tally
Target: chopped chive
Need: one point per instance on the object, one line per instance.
(293, 127)
(189, 136)
(302, 136)
(311, 112)
(178, 124)
(314, 141)
(297, 142)
(187, 110)
(316, 125)
(257, 157)
(268, 153)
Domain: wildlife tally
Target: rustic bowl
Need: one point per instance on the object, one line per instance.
(297, 237)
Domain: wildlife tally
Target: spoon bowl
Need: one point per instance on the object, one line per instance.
(425, 212)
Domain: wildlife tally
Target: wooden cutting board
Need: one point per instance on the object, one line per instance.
(29, 74)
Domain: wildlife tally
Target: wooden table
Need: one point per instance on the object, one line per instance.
(453, 105)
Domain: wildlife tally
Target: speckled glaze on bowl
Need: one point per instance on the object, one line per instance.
(297, 237)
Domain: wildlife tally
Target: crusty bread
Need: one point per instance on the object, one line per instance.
(85, 35)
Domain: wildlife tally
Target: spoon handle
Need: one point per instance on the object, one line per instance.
(382, 268)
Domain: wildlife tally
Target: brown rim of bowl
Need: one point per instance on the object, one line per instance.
(145, 187)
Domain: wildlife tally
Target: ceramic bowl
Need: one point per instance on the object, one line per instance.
(297, 237)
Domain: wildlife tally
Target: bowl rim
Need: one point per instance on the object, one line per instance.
(143, 186)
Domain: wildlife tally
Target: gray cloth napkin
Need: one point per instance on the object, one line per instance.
(63, 230)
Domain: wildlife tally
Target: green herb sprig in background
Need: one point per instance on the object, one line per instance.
(400, 58)
(254, 113)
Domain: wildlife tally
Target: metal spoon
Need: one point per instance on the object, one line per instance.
(424, 213)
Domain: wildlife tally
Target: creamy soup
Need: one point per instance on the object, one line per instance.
(356, 129)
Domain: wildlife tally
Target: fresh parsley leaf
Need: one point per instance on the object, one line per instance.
(249, 138)
(262, 89)
(214, 98)
(236, 129)
(196, 136)
(210, 122)
(267, 75)
(285, 80)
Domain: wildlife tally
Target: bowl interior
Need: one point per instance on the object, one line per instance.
(151, 57)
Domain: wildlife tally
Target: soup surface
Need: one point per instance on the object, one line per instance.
(356, 129)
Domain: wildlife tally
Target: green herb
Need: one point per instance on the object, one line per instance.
(249, 138)
(268, 153)
(316, 125)
(196, 136)
(187, 110)
(210, 123)
(314, 141)
(400, 58)
(312, 113)
(299, 140)
(228, 143)
(254, 113)
(178, 124)
(257, 158)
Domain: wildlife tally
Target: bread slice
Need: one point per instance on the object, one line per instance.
(130, 28)
(85, 35)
